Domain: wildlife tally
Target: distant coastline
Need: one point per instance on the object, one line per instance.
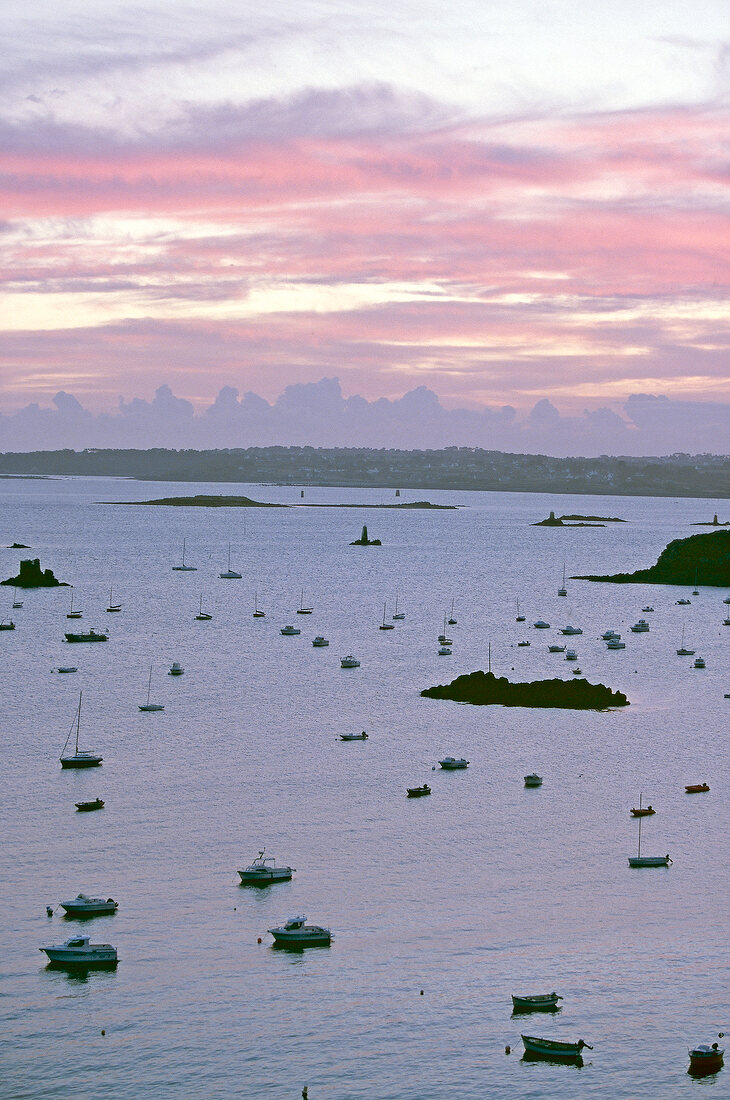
(208, 501)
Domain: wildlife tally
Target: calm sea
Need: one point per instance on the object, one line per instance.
(482, 890)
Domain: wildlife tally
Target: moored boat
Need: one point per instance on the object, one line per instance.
(647, 861)
(10, 625)
(296, 933)
(533, 780)
(541, 1002)
(87, 807)
(418, 792)
(176, 669)
(641, 627)
(263, 871)
(81, 758)
(704, 1059)
(451, 763)
(84, 906)
(697, 788)
(320, 642)
(87, 636)
(79, 953)
(554, 1049)
(354, 736)
(349, 662)
(289, 629)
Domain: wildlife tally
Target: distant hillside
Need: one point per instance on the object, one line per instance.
(451, 468)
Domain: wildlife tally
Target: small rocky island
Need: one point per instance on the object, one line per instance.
(486, 689)
(202, 501)
(702, 559)
(364, 540)
(559, 521)
(32, 576)
(714, 522)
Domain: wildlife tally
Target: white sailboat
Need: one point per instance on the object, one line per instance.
(520, 617)
(150, 706)
(385, 625)
(257, 612)
(183, 568)
(398, 616)
(16, 601)
(113, 606)
(80, 758)
(302, 610)
(563, 591)
(71, 613)
(452, 620)
(203, 616)
(682, 652)
(230, 574)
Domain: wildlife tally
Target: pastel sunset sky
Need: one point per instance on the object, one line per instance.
(502, 202)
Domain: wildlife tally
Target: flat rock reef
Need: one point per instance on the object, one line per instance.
(702, 559)
(485, 689)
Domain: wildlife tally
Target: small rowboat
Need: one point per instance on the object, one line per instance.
(705, 1059)
(551, 1048)
(86, 807)
(418, 792)
(543, 1002)
(354, 736)
(697, 788)
(642, 811)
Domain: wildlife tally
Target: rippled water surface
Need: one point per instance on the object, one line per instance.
(482, 890)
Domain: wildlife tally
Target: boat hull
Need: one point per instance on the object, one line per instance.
(298, 942)
(266, 878)
(76, 762)
(107, 909)
(553, 1050)
(649, 861)
(86, 637)
(702, 1063)
(89, 807)
(535, 1004)
(62, 960)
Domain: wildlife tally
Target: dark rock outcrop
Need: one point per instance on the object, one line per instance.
(32, 576)
(486, 689)
(704, 559)
(364, 540)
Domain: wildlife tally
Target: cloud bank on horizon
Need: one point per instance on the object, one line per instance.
(319, 412)
(524, 207)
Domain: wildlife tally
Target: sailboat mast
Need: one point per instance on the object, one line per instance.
(78, 724)
(639, 849)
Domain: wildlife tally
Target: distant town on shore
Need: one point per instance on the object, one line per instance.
(458, 468)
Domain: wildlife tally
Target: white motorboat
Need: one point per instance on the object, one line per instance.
(641, 627)
(533, 780)
(556, 649)
(570, 629)
(79, 952)
(354, 736)
(289, 629)
(684, 603)
(176, 669)
(349, 662)
(541, 625)
(320, 642)
(147, 706)
(296, 933)
(263, 871)
(608, 634)
(183, 568)
(615, 643)
(80, 758)
(699, 662)
(452, 763)
(444, 651)
(571, 655)
(84, 906)
(230, 574)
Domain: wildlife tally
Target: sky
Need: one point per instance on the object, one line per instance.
(514, 208)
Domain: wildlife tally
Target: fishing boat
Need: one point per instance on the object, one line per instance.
(84, 906)
(641, 627)
(81, 758)
(647, 861)
(541, 625)
(263, 872)
(699, 662)
(570, 629)
(354, 736)
(615, 643)
(87, 807)
(349, 662)
(451, 763)
(320, 641)
(697, 788)
(452, 620)
(705, 1059)
(203, 616)
(553, 1049)
(176, 669)
(533, 780)
(79, 953)
(289, 630)
(571, 655)
(87, 636)
(608, 634)
(302, 610)
(385, 625)
(16, 601)
(230, 574)
(183, 568)
(418, 792)
(563, 591)
(113, 606)
(296, 933)
(642, 811)
(444, 651)
(520, 617)
(541, 1002)
(398, 616)
(147, 706)
(73, 613)
(682, 651)
(556, 649)
(522, 645)
(257, 612)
